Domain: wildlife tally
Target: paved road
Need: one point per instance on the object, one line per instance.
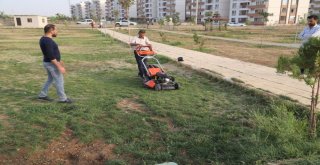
(254, 75)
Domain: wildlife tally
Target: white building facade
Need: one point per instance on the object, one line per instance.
(314, 7)
(30, 21)
(238, 11)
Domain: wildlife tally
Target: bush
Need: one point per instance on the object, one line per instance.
(196, 38)
(163, 36)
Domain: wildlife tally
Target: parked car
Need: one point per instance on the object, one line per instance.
(236, 24)
(125, 23)
(85, 22)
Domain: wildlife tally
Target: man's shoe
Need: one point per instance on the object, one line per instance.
(45, 98)
(69, 101)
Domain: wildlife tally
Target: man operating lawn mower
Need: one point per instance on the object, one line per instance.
(140, 41)
(153, 75)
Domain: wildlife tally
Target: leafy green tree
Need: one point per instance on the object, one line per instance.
(161, 23)
(265, 16)
(176, 19)
(306, 66)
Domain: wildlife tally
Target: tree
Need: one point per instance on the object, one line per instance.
(125, 4)
(265, 16)
(60, 18)
(3, 15)
(265, 19)
(116, 14)
(175, 19)
(161, 22)
(306, 66)
(208, 20)
(216, 16)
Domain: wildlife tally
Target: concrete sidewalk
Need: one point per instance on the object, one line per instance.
(258, 76)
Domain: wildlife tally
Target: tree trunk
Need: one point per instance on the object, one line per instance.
(313, 114)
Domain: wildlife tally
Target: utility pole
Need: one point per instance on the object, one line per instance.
(197, 8)
(70, 10)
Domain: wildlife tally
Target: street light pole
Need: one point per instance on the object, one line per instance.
(70, 9)
(197, 8)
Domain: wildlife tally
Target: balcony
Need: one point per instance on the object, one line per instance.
(200, 3)
(263, 6)
(254, 15)
(200, 10)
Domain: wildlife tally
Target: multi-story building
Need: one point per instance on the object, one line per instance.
(239, 10)
(78, 10)
(146, 9)
(89, 10)
(191, 9)
(217, 7)
(280, 11)
(171, 7)
(99, 9)
(314, 7)
(109, 10)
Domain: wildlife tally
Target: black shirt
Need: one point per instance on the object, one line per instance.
(49, 49)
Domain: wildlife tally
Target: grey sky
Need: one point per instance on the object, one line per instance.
(36, 7)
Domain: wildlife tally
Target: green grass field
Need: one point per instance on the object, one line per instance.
(116, 121)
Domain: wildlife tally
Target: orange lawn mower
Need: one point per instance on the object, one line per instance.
(154, 76)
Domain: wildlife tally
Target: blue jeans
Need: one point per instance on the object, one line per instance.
(54, 76)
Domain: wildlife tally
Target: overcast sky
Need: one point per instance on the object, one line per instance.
(36, 7)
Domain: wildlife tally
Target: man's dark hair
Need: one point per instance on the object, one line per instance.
(49, 28)
(315, 17)
(142, 31)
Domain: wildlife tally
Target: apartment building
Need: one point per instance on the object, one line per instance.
(239, 10)
(146, 9)
(109, 10)
(170, 7)
(220, 7)
(314, 7)
(98, 9)
(115, 7)
(78, 10)
(281, 11)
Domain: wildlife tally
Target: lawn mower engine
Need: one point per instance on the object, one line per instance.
(162, 81)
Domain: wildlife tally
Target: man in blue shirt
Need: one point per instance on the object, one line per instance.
(312, 30)
(53, 65)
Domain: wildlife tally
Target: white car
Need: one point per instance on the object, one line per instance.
(236, 24)
(125, 23)
(85, 22)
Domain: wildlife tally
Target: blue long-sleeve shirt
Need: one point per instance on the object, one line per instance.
(49, 49)
(309, 32)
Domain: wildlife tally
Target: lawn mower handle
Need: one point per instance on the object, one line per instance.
(138, 48)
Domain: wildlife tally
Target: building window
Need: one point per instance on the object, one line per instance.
(43, 20)
(234, 13)
(29, 20)
(234, 5)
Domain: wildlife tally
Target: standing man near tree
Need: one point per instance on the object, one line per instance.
(53, 65)
(312, 30)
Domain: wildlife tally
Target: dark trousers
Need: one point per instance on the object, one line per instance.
(141, 68)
